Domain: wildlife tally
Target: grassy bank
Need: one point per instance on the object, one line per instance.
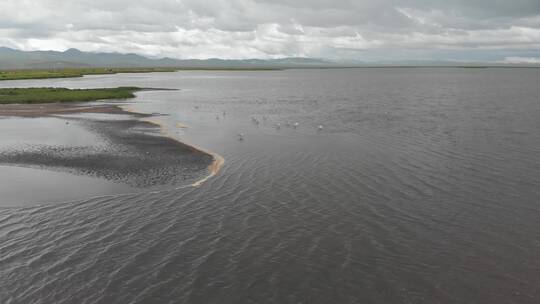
(48, 95)
(65, 73)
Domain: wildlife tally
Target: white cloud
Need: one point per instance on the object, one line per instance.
(278, 28)
(530, 60)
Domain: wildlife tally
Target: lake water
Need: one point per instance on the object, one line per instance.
(423, 186)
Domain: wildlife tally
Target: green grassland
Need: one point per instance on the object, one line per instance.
(49, 95)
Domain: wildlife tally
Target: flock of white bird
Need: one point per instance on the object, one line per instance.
(277, 125)
(257, 122)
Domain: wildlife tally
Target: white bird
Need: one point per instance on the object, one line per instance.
(295, 125)
(320, 127)
(278, 125)
(240, 136)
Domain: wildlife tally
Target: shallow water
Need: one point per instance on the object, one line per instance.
(422, 187)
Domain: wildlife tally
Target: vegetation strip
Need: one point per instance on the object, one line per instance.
(67, 73)
(50, 95)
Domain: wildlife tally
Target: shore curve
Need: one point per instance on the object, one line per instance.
(213, 168)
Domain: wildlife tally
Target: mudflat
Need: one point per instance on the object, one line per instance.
(100, 141)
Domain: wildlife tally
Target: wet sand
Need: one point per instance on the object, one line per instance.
(130, 150)
(213, 168)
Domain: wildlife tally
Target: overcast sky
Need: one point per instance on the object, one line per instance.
(467, 30)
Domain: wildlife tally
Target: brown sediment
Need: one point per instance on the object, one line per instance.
(214, 168)
(49, 109)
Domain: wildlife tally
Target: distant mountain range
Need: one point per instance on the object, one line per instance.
(73, 58)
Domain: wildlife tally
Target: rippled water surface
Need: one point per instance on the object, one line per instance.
(422, 187)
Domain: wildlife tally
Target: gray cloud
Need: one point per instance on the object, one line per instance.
(361, 29)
